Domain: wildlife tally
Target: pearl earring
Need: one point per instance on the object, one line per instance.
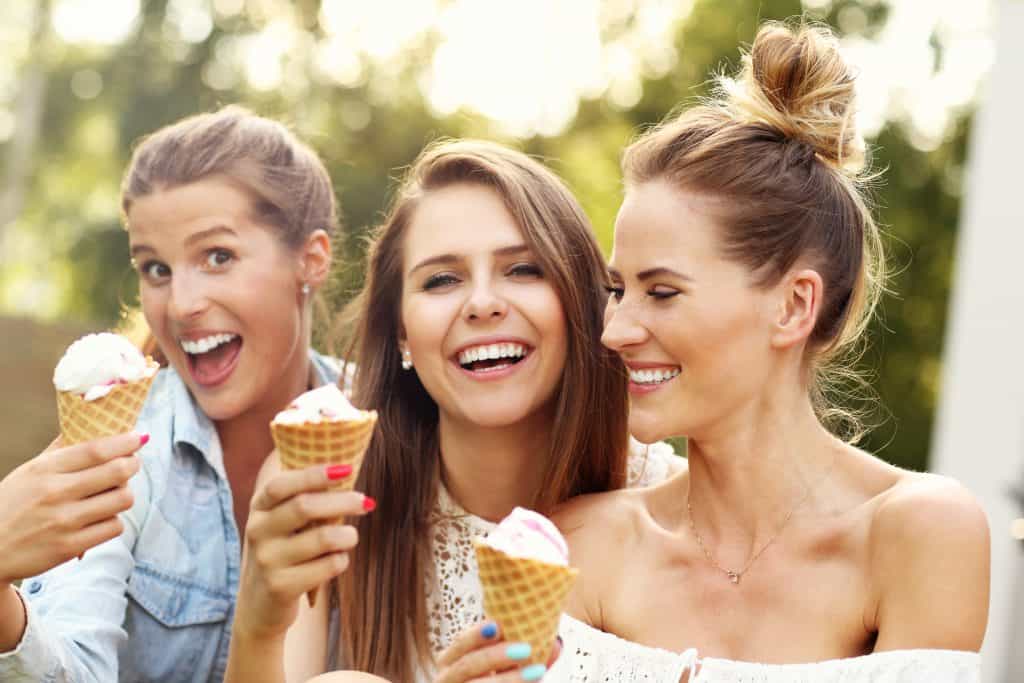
(406, 360)
(305, 289)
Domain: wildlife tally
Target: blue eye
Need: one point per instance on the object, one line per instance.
(440, 280)
(215, 258)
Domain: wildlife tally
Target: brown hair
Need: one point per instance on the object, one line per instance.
(383, 619)
(290, 188)
(779, 142)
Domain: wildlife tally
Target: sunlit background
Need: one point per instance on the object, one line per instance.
(369, 82)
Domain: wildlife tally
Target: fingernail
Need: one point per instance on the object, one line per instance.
(144, 439)
(369, 504)
(533, 672)
(489, 630)
(338, 471)
(518, 651)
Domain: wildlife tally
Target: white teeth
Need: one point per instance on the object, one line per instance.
(653, 376)
(206, 343)
(491, 352)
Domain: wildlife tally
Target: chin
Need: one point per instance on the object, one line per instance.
(649, 427)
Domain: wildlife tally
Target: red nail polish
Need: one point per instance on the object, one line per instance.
(143, 440)
(338, 471)
(369, 504)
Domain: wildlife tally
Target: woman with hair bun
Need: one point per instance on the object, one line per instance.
(746, 266)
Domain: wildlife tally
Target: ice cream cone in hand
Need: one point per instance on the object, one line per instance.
(101, 381)
(526, 577)
(321, 427)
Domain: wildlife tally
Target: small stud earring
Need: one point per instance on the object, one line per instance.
(406, 360)
(305, 289)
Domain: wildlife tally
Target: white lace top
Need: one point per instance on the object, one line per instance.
(593, 656)
(454, 596)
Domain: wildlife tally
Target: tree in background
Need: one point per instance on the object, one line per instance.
(369, 118)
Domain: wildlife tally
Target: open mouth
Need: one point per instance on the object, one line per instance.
(492, 357)
(211, 359)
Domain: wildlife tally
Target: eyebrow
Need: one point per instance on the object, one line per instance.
(513, 250)
(652, 273)
(191, 239)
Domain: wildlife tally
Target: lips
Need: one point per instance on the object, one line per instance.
(491, 358)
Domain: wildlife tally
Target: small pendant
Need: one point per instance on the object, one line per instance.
(734, 577)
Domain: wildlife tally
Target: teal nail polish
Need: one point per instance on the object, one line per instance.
(518, 651)
(533, 672)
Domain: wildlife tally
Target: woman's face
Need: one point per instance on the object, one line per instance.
(483, 324)
(691, 328)
(221, 295)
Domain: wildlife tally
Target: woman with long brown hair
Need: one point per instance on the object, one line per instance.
(477, 342)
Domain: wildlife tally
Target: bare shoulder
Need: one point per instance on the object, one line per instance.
(929, 541)
(593, 525)
(928, 513)
(598, 515)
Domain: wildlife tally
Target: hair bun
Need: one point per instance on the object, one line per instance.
(796, 80)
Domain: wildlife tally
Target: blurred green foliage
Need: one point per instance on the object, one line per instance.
(367, 132)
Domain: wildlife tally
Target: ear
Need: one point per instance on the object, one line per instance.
(315, 259)
(799, 303)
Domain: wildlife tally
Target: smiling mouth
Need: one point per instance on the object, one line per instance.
(212, 359)
(492, 357)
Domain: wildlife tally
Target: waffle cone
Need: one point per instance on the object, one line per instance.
(525, 596)
(334, 442)
(115, 413)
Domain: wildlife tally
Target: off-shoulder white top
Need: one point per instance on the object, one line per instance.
(593, 656)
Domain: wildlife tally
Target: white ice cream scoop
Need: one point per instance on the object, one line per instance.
(96, 363)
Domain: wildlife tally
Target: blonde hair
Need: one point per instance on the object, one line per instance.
(780, 141)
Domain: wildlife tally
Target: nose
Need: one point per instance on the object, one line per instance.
(621, 329)
(188, 300)
(484, 303)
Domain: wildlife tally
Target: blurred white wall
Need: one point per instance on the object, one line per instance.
(979, 434)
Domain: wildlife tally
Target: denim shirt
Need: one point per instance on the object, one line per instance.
(156, 603)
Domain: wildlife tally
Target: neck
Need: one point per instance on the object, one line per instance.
(488, 470)
(749, 473)
(245, 439)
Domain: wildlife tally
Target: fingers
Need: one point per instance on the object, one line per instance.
(498, 662)
(95, 480)
(304, 510)
(89, 537)
(473, 638)
(285, 585)
(291, 483)
(96, 452)
(101, 506)
(308, 545)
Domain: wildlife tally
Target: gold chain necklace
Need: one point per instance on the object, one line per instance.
(733, 574)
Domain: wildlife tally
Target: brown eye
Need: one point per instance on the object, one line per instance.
(216, 258)
(440, 280)
(615, 292)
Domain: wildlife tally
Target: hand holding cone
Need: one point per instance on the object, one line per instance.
(324, 440)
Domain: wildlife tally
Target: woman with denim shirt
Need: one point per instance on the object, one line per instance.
(229, 218)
